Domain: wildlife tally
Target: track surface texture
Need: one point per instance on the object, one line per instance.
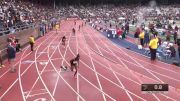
(106, 71)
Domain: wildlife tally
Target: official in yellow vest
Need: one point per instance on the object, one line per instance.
(141, 37)
(153, 45)
(31, 42)
(57, 27)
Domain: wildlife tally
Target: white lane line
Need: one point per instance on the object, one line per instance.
(26, 92)
(77, 52)
(89, 53)
(123, 63)
(62, 62)
(115, 72)
(113, 82)
(152, 71)
(133, 80)
(40, 73)
(141, 65)
(106, 78)
(118, 47)
(42, 60)
(96, 87)
(32, 88)
(36, 61)
(137, 63)
(20, 75)
(111, 68)
(89, 81)
(19, 61)
(49, 70)
(17, 78)
(77, 85)
(56, 59)
(65, 80)
(14, 83)
(128, 68)
(8, 89)
(37, 94)
(68, 83)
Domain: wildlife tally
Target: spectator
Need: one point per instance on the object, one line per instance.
(178, 37)
(123, 34)
(136, 35)
(18, 45)
(173, 51)
(42, 29)
(1, 61)
(146, 38)
(179, 51)
(175, 37)
(127, 28)
(11, 56)
(119, 33)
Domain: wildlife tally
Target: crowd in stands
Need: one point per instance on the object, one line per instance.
(153, 24)
(15, 14)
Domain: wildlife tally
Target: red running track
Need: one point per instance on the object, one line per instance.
(106, 72)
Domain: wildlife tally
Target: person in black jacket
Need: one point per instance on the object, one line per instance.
(11, 52)
(18, 45)
(175, 37)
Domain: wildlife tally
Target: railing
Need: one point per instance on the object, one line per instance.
(14, 29)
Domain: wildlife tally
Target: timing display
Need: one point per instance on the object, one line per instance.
(154, 87)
